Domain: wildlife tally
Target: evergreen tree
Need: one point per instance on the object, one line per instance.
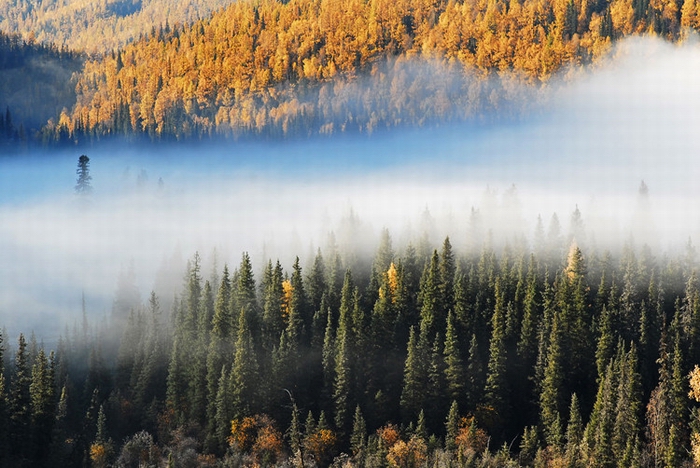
(452, 427)
(454, 369)
(415, 378)
(20, 403)
(599, 431)
(574, 433)
(244, 373)
(358, 438)
(552, 384)
(4, 442)
(430, 299)
(82, 185)
(496, 390)
(41, 393)
(447, 276)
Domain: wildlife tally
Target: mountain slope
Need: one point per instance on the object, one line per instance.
(266, 67)
(36, 83)
(96, 26)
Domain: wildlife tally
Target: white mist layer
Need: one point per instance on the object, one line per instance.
(633, 118)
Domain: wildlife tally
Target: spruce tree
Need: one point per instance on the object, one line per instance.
(358, 438)
(244, 373)
(551, 393)
(454, 368)
(452, 427)
(20, 402)
(496, 390)
(447, 276)
(574, 433)
(42, 397)
(82, 185)
(415, 378)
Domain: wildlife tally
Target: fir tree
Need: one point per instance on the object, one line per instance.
(20, 402)
(415, 378)
(358, 438)
(82, 185)
(454, 368)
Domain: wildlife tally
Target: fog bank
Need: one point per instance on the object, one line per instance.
(632, 118)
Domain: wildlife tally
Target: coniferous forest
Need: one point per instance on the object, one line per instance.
(550, 355)
(288, 69)
(549, 351)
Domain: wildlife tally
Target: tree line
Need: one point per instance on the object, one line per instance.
(291, 68)
(555, 355)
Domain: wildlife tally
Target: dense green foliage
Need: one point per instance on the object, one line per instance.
(512, 357)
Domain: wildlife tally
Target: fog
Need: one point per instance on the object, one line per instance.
(599, 134)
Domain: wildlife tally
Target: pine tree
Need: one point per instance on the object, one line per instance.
(358, 438)
(316, 282)
(452, 427)
(41, 393)
(436, 404)
(496, 390)
(415, 378)
(599, 431)
(474, 374)
(20, 402)
(82, 185)
(447, 276)
(454, 368)
(551, 394)
(222, 320)
(604, 351)
(574, 433)
(224, 409)
(244, 373)
(342, 387)
(430, 299)
(4, 442)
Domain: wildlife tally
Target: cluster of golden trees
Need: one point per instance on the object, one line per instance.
(95, 26)
(264, 66)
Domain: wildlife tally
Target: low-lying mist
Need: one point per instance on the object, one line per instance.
(633, 118)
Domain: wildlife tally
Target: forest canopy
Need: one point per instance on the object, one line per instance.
(419, 355)
(295, 68)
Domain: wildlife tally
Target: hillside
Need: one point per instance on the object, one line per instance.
(36, 84)
(97, 26)
(274, 68)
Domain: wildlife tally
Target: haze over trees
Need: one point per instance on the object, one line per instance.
(308, 67)
(547, 355)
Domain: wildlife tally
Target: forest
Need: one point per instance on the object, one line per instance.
(295, 68)
(96, 26)
(542, 353)
(265, 68)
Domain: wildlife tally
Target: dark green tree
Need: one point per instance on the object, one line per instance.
(82, 185)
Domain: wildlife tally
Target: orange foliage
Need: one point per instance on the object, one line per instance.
(320, 444)
(99, 454)
(287, 291)
(392, 282)
(470, 437)
(258, 436)
(409, 454)
(388, 434)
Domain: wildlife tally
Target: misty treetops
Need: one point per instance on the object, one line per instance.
(420, 356)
